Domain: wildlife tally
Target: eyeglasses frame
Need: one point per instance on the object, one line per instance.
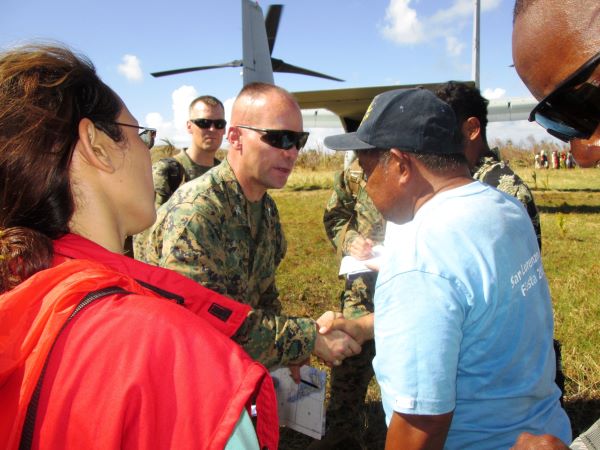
(152, 132)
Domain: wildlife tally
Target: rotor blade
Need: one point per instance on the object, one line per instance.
(272, 24)
(235, 63)
(282, 66)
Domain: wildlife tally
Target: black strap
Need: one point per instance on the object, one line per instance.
(29, 424)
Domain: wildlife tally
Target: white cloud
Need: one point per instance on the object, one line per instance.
(487, 5)
(401, 23)
(131, 68)
(174, 129)
(454, 46)
(493, 94)
(403, 26)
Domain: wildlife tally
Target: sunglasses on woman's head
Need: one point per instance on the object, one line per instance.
(283, 139)
(205, 124)
(572, 109)
(147, 135)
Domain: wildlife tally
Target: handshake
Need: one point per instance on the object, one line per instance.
(339, 338)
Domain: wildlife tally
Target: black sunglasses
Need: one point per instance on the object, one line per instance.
(205, 124)
(572, 109)
(283, 139)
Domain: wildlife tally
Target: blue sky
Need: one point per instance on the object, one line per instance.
(375, 42)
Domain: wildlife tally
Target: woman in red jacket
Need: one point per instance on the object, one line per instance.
(97, 350)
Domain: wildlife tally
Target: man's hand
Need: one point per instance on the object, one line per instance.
(360, 329)
(361, 248)
(295, 370)
(335, 345)
(528, 441)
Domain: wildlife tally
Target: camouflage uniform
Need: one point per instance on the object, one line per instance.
(209, 232)
(350, 213)
(170, 173)
(491, 170)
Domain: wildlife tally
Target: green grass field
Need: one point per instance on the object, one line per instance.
(569, 202)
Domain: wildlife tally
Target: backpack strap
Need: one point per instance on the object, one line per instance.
(29, 424)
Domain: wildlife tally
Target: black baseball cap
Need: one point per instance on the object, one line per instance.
(412, 120)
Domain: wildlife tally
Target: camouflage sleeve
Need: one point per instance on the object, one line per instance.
(277, 340)
(167, 174)
(193, 245)
(339, 212)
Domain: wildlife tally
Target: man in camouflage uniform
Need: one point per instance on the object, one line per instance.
(206, 125)
(223, 230)
(353, 226)
(486, 165)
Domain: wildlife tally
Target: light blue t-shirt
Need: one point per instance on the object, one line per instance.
(463, 321)
(244, 435)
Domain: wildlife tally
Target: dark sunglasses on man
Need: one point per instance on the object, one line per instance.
(572, 110)
(205, 124)
(283, 139)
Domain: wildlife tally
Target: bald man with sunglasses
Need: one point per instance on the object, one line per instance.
(223, 230)
(556, 52)
(206, 126)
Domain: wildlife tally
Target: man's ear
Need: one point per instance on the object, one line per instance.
(402, 164)
(188, 125)
(234, 137)
(94, 146)
(471, 129)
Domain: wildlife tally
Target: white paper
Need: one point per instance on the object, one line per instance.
(350, 265)
(301, 407)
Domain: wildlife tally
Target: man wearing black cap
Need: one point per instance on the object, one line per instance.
(463, 318)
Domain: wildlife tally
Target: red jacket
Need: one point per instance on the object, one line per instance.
(129, 370)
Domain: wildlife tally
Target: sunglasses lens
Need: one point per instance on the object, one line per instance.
(275, 139)
(285, 139)
(205, 124)
(558, 128)
(301, 142)
(572, 110)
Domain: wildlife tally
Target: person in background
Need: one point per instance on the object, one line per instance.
(223, 230)
(485, 164)
(462, 309)
(555, 160)
(99, 350)
(354, 226)
(206, 126)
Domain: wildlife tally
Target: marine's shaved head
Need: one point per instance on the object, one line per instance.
(252, 98)
(552, 38)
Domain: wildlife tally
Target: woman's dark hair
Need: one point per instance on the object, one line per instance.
(45, 91)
